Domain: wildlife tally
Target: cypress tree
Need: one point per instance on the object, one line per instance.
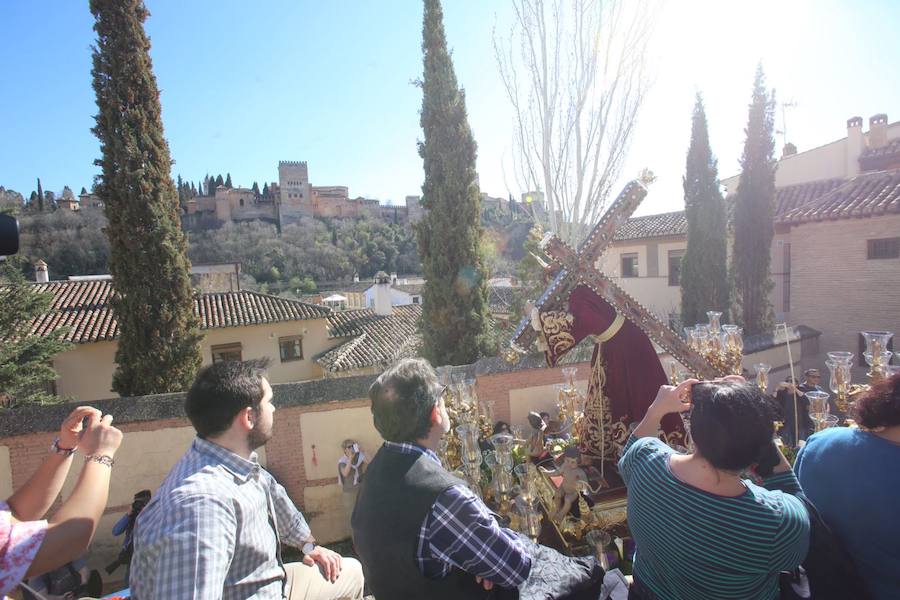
(193, 190)
(255, 189)
(40, 195)
(26, 360)
(228, 181)
(179, 185)
(158, 349)
(753, 221)
(219, 181)
(455, 296)
(265, 191)
(704, 274)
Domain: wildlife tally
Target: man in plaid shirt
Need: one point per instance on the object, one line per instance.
(216, 525)
(421, 532)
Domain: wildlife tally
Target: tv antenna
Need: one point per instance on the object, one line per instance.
(783, 131)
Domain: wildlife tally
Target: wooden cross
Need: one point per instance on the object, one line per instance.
(579, 268)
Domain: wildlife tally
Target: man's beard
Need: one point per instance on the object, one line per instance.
(258, 437)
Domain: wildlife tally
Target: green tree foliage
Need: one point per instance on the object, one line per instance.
(704, 269)
(11, 201)
(455, 297)
(158, 349)
(219, 182)
(26, 360)
(70, 243)
(40, 196)
(753, 220)
(265, 191)
(228, 181)
(307, 250)
(255, 189)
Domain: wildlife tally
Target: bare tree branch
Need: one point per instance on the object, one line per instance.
(574, 73)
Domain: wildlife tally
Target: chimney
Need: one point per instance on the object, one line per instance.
(855, 145)
(877, 130)
(382, 294)
(788, 150)
(41, 274)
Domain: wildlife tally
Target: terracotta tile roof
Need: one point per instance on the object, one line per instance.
(236, 309)
(344, 323)
(350, 287)
(414, 289)
(379, 340)
(84, 307)
(880, 158)
(789, 197)
(650, 226)
(866, 195)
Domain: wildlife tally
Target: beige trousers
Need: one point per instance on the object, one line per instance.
(308, 583)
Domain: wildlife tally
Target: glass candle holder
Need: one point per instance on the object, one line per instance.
(818, 402)
(762, 376)
(600, 541)
(713, 316)
(880, 359)
(569, 376)
(468, 438)
(487, 408)
(877, 341)
(839, 376)
(503, 444)
(672, 371)
(529, 516)
(841, 357)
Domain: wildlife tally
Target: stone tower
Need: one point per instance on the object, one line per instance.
(295, 191)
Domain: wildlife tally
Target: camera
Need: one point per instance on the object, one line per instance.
(9, 235)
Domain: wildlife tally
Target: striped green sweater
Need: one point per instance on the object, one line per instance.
(694, 545)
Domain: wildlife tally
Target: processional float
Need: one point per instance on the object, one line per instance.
(625, 373)
(582, 302)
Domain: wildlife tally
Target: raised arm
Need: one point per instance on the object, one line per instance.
(669, 399)
(72, 527)
(34, 499)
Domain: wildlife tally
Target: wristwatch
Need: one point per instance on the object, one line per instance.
(56, 449)
(308, 547)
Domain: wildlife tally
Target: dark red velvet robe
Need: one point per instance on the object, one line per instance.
(625, 373)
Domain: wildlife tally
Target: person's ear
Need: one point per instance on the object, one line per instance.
(246, 418)
(435, 415)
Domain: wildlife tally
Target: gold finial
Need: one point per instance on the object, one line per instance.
(646, 176)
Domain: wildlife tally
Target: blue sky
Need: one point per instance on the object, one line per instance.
(247, 84)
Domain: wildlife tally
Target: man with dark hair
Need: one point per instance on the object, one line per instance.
(216, 525)
(421, 532)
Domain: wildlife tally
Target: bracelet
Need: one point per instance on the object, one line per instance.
(100, 458)
(56, 449)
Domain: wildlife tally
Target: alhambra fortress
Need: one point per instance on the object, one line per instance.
(293, 197)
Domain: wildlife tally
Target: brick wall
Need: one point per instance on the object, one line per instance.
(836, 289)
(288, 455)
